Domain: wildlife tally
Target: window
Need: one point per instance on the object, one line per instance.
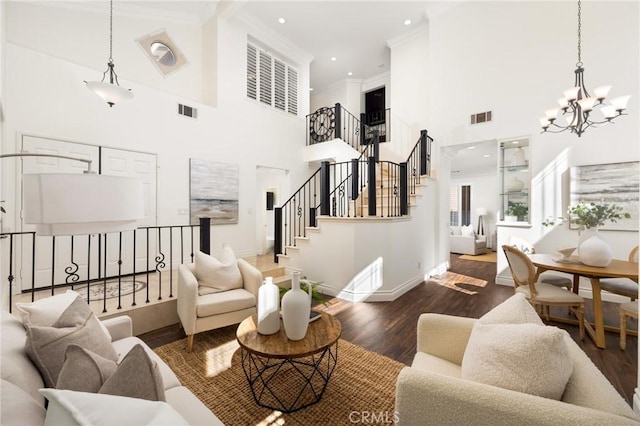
(460, 205)
(271, 81)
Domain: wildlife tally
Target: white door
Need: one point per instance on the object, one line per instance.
(66, 259)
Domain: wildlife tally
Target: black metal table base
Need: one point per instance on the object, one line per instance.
(290, 384)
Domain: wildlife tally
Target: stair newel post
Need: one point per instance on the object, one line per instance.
(404, 190)
(355, 178)
(338, 121)
(325, 183)
(312, 217)
(277, 240)
(423, 152)
(376, 145)
(362, 138)
(371, 185)
(205, 235)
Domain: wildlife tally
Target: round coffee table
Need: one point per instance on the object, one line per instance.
(287, 375)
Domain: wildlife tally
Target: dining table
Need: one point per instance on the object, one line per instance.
(616, 269)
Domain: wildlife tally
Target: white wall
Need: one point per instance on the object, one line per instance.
(515, 59)
(45, 95)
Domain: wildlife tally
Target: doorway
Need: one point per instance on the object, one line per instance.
(272, 186)
(375, 115)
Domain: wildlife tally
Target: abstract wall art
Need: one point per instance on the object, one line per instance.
(214, 191)
(613, 183)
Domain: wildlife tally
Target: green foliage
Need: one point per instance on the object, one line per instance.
(304, 286)
(590, 215)
(517, 209)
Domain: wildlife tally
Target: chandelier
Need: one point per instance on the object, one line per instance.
(110, 91)
(578, 106)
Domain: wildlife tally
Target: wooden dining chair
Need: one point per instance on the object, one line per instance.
(629, 309)
(623, 286)
(541, 294)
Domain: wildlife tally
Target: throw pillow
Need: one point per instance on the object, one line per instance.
(514, 310)
(467, 231)
(455, 230)
(521, 357)
(137, 376)
(45, 312)
(523, 245)
(89, 409)
(220, 274)
(46, 346)
(83, 370)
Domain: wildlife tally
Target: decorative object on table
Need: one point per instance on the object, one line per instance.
(481, 212)
(517, 209)
(296, 305)
(611, 184)
(110, 91)
(566, 252)
(268, 307)
(577, 104)
(518, 158)
(515, 185)
(214, 189)
(304, 286)
(588, 217)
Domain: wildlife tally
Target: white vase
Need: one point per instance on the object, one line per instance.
(268, 307)
(515, 185)
(296, 306)
(594, 251)
(518, 158)
(586, 234)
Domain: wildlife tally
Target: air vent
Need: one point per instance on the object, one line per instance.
(187, 111)
(481, 117)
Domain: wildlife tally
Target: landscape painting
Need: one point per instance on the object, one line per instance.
(214, 189)
(614, 183)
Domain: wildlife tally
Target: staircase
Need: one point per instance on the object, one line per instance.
(343, 211)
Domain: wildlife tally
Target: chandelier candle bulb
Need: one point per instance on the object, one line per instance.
(620, 103)
(572, 93)
(601, 92)
(609, 112)
(564, 103)
(551, 113)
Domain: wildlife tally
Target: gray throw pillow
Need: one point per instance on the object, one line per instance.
(137, 376)
(84, 371)
(46, 346)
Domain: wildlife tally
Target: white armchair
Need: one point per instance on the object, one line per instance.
(215, 310)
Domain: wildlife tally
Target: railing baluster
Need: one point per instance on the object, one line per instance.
(88, 269)
(33, 267)
(53, 264)
(134, 266)
(104, 280)
(10, 277)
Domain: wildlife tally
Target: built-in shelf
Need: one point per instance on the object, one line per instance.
(514, 169)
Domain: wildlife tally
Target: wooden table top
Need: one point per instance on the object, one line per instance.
(617, 268)
(321, 334)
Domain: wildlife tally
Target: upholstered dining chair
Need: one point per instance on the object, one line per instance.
(623, 286)
(215, 293)
(538, 293)
(629, 309)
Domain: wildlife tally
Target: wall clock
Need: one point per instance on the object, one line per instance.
(322, 124)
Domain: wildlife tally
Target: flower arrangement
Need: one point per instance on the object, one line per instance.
(590, 215)
(304, 283)
(517, 209)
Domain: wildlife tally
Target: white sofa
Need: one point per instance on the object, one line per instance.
(432, 390)
(22, 404)
(470, 244)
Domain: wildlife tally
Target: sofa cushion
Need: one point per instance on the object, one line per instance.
(588, 387)
(18, 407)
(228, 301)
(522, 357)
(83, 370)
(216, 275)
(71, 408)
(514, 310)
(16, 366)
(46, 311)
(467, 231)
(551, 293)
(427, 362)
(169, 379)
(136, 376)
(190, 407)
(46, 346)
(455, 230)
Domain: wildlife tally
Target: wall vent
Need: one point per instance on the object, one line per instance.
(481, 117)
(187, 111)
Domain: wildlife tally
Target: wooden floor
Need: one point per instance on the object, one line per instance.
(389, 328)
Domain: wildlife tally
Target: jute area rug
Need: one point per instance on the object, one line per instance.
(486, 257)
(362, 383)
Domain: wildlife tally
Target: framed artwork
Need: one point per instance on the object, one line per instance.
(213, 191)
(613, 183)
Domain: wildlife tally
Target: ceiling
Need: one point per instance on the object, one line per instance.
(473, 159)
(354, 32)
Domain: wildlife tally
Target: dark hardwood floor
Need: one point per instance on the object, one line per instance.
(389, 328)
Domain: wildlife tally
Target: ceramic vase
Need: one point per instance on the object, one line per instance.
(296, 306)
(268, 307)
(594, 251)
(515, 185)
(518, 158)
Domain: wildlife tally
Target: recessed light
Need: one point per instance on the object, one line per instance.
(333, 58)
(407, 21)
(282, 20)
(515, 142)
(487, 155)
(471, 147)
(349, 73)
(311, 89)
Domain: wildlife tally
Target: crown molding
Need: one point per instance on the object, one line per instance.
(417, 31)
